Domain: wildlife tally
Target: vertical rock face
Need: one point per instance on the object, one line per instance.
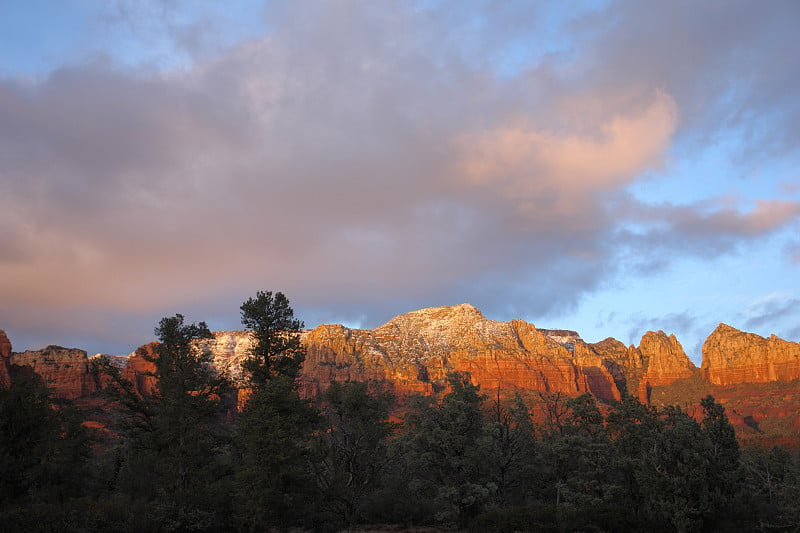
(139, 369)
(5, 356)
(624, 363)
(664, 361)
(731, 356)
(228, 350)
(416, 350)
(66, 370)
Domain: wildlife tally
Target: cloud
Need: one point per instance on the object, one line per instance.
(769, 311)
(368, 160)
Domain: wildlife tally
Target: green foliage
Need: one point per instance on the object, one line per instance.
(352, 447)
(446, 448)
(273, 484)
(177, 440)
(514, 453)
(276, 348)
(42, 449)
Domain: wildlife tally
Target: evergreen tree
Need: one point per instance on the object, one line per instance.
(514, 455)
(352, 447)
(177, 441)
(445, 449)
(273, 479)
(42, 449)
(277, 350)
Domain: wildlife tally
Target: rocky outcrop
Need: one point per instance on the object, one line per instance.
(67, 371)
(731, 356)
(416, 350)
(624, 363)
(5, 356)
(228, 350)
(140, 368)
(664, 362)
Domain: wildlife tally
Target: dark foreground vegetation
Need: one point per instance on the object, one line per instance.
(184, 459)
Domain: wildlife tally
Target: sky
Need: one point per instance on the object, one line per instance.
(611, 167)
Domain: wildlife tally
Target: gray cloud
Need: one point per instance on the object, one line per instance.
(766, 313)
(370, 160)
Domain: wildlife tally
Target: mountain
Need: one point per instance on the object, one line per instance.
(5, 357)
(731, 356)
(756, 378)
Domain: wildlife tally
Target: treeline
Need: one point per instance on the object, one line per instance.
(184, 459)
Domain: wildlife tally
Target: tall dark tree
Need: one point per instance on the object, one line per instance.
(352, 447)
(445, 450)
(725, 474)
(273, 478)
(42, 449)
(514, 454)
(277, 350)
(176, 446)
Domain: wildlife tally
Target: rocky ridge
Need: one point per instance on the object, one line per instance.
(413, 352)
(5, 357)
(68, 371)
(731, 356)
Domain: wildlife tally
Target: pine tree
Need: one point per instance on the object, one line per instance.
(273, 478)
(352, 447)
(176, 445)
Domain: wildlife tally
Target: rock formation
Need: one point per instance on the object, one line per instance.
(5, 356)
(664, 362)
(139, 369)
(416, 350)
(624, 363)
(731, 356)
(67, 371)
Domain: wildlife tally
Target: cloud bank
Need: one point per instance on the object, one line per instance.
(369, 159)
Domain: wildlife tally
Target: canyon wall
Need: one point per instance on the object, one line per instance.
(68, 371)
(5, 357)
(416, 350)
(731, 356)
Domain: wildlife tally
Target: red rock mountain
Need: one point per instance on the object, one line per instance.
(731, 356)
(5, 356)
(67, 371)
(416, 350)
(413, 352)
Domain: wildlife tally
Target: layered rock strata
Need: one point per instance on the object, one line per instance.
(5, 356)
(68, 371)
(664, 362)
(731, 356)
(415, 351)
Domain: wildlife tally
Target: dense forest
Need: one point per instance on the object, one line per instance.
(186, 459)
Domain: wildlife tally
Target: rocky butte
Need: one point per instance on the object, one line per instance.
(414, 352)
(68, 371)
(5, 357)
(731, 356)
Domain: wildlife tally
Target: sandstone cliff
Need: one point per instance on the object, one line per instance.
(139, 369)
(67, 371)
(624, 363)
(664, 362)
(731, 356)
(416, 350)
(5, 356)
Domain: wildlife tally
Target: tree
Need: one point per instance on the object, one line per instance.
(176, 445)
(42, 449)
(513, 457)
(674, 478)
(277, 350)
(352, 446)
(724, 472)
(445, 449)
(273, 478)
